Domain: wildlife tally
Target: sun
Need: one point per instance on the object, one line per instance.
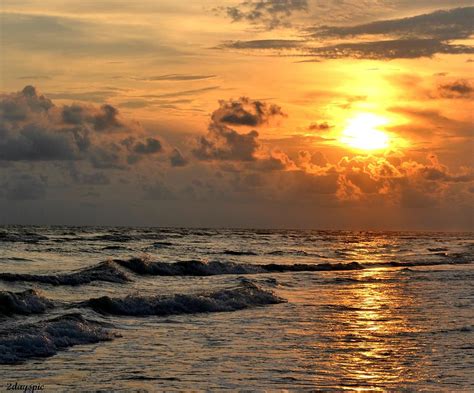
(362, 132)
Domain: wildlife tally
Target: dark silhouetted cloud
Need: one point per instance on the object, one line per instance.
(150, 146)
(441, 25)
(224, 143)
(323, 126)
(177, 159)
(408, 38)
(32, 128)
(245, 112)
(457, 89)
(264, 44)
(390, 49)
(269, 13)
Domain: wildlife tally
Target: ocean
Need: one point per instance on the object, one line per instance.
(152, 309)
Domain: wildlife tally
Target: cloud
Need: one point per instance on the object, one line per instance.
(457, 89)
(324, 126)
(263, 44)
(410, 48)
(32, 128)
(245, 112)
(440, 25)
(418, 36)
(177, 159)
(150, 146)
(224, 143)
(269, 13)
(403, 48)
(408, 38)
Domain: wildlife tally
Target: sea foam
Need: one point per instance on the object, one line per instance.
(47, 337)
(104, 271)
(246, 295)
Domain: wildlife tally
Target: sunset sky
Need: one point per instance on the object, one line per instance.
(338, 114)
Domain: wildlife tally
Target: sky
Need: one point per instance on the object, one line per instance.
(324, 114)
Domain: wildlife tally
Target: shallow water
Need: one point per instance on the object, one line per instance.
(401, 318)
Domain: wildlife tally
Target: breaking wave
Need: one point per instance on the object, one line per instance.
(26, 302)
(104, 271)
(244, 296)
(186, 268)
(46, 338)
(200, 268)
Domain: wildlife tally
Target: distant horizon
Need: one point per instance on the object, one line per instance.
(138, 226)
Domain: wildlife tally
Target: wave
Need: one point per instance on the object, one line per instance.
(234, 252)
(299, 253)
(186, 268)
(104, 271)
(46, 338)
(21, 237)
(26, 302)
(199, 268)
(246, 295)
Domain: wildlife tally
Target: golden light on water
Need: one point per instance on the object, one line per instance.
(362, 132)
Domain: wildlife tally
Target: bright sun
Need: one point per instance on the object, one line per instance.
(362, 132)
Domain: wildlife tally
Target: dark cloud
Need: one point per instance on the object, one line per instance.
(177, 159)
(403, 48)
(418, 36)
(106, 119)
(319, 126)
(441, 25)
(224, 143)
(408, 38)
(263, 44)
(390, 49)
(139, 149)
(32, 128)
(34, 143)
(245, 112)
(269, 13)
(457, 89)
(150, 146)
